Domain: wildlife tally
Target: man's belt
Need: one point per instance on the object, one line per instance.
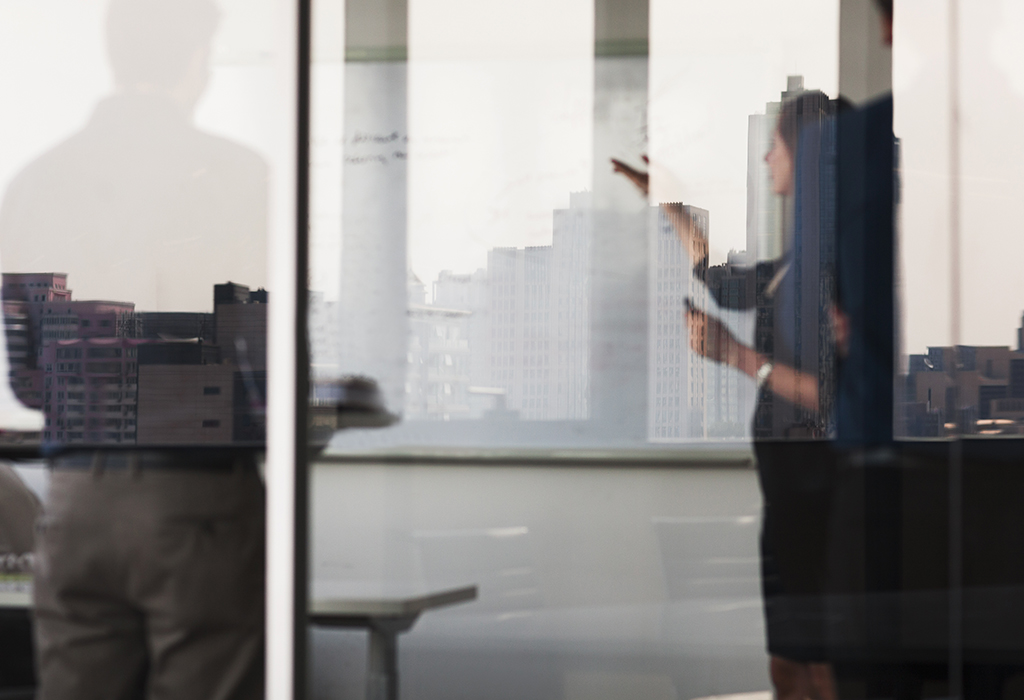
(198, 460)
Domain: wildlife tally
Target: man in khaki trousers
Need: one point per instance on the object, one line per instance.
(19, 509)
(149, 578)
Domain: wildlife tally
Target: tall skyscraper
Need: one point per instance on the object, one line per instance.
(523, 336)
(521, 326)
(540, 320)
(523, 329)
(764, 208)
(470, 293)
(730, 393)
(571, 243)
(437, 377)
(677, 377)
(793, 239)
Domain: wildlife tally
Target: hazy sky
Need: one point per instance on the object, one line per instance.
(992, 148)
(501, 120)
(56, 71)
(503, 127)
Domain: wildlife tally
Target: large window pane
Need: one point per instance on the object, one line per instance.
(543, 302)
(146, 163)
(546, 297)
(136, 216)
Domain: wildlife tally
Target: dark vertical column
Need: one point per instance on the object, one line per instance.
(865, 227)
(619, 251)
(373, 256)
(872, 484)
(300, 526)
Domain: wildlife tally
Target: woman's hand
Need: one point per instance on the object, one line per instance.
(639, 178)
(711, 338)
(681, 220)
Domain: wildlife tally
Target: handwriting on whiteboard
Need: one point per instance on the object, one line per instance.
(376, 149)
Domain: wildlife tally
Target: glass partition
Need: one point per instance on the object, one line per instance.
(136, 212)
(961, 335)
(147, 162)
(738, 225)
(577, 234)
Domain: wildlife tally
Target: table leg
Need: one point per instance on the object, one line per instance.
(382, 673)
(382, 670)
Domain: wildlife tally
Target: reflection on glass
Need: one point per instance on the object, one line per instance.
(792, 361)
(983, 396)
(548, 304)
(133, 235)
(515, 338)
(149, 219)
(966, 385)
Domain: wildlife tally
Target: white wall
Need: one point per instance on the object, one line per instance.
(594, 582)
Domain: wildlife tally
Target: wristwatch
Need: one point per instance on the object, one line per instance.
(762, 374)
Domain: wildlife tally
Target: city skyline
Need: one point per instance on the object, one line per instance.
(77, 343)
(529, 366)
(103, 373)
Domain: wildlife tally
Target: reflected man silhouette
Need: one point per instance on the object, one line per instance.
(140, 205)
(149, 564)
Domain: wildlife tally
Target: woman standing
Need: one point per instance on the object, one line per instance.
(792, 363)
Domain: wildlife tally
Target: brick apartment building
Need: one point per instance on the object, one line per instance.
(103, 373)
